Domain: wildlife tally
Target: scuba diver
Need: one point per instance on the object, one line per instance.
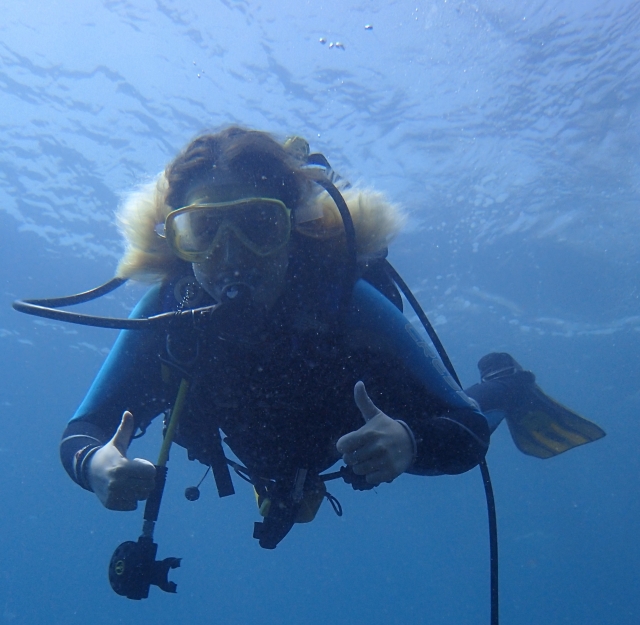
(306, 359)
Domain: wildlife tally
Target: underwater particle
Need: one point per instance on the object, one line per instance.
(322, 40)
(340, 45)
(368, 26)
(331, 45)
(194, 62)
(198, 75)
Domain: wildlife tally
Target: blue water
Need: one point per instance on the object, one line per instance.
(509, 131)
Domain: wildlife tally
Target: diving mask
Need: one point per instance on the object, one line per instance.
(262, 225)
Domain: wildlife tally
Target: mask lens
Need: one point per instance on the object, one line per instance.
(262, 225)
(192, 232)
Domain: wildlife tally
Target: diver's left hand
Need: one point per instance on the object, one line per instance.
(381, 449)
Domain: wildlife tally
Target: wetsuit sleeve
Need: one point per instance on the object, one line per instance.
(130, 379)
(409, 383)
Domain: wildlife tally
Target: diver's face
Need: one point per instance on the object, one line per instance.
(231, 267)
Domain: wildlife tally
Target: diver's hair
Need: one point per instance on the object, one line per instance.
(252, 157)
(258, 160)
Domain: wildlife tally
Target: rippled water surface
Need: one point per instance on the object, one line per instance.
(509, 131)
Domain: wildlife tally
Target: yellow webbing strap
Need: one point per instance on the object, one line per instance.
(173, 422)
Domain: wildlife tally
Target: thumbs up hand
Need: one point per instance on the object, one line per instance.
(119, 482)
(382, 448)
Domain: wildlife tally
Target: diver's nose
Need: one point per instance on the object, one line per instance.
(228, 248)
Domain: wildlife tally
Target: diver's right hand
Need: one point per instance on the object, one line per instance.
(119, 482)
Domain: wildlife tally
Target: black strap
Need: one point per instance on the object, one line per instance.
(220, 468)
(486, 479)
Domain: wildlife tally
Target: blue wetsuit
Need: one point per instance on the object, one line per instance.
(281, 392)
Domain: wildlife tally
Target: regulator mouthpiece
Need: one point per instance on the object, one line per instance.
(239, 290)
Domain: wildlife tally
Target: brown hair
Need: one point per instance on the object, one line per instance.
(250, 156)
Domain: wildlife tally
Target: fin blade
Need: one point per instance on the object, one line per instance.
(547, 428)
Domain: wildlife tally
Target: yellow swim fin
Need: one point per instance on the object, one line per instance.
(544, 428)
(539, 425)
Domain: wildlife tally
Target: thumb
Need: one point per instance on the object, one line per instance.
(364, 403)
(122, 437)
